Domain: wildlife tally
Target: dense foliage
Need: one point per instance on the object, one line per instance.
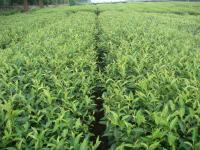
(46, 80)
(151, 78)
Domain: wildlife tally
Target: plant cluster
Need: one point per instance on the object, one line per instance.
(46, 81)
(152, 80)
(55, 63)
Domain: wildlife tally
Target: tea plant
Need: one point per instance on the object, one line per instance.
(144, 57)
(14, 28)
(46, 83)
(152, 80)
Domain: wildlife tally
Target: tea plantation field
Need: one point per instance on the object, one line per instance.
(106, 76)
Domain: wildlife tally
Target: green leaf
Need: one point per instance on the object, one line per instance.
(84, 145)
(173, 123)
(194, 134)
(139, 118)
(154, 146)
(78, 123)
(76, 141)
(97, 143)
(189, 144)
(157, 134)
(171, 139)
(182, 112)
